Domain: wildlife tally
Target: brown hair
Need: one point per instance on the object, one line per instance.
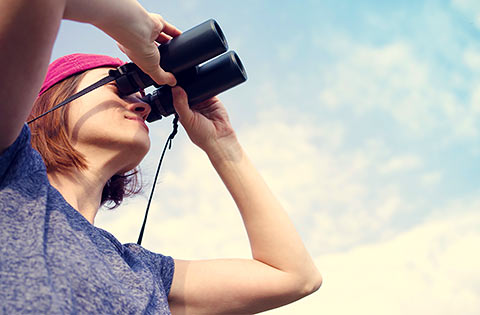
(50, 139)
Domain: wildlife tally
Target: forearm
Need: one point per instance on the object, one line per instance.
(27, 33)
(273, 237)
(136, 31)
(124, 20)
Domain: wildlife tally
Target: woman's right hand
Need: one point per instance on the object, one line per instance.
(136, 31)
(147, 55)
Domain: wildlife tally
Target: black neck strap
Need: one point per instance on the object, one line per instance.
(111, 77)
(168, 145)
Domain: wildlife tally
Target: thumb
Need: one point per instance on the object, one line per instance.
(180, 102)
(149, 62)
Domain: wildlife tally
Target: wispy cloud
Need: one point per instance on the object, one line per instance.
(400, 164)
(470, 8)
(337, 196)
(431, 269)
(393, 80)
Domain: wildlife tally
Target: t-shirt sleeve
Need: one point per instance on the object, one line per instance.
(161, 266)
(8, 157)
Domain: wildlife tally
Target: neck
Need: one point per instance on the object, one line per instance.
(82, 189)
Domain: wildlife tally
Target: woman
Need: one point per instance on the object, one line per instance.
(52, 258)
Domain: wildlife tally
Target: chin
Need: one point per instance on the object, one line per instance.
(133, 161)
(139, 148)
(132, 150)
(145, 144)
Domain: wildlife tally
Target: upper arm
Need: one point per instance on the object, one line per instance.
(27, 32)
(235, 286)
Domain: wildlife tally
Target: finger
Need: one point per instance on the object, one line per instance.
(163, 38)
(170, 29)
(205, 104)
(165, 26)
(170, 78)
(180, 102)
(162, 77)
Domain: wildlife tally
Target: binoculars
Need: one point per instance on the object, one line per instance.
(189, 57)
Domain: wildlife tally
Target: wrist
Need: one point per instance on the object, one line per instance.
(225, 150)
(135, 30)
(126, 21)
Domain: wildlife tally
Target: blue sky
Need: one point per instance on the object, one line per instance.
(364, 117)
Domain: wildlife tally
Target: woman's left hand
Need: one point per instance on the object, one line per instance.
(206, 123)
(279, 258)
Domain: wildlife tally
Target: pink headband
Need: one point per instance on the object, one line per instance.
(66, 66)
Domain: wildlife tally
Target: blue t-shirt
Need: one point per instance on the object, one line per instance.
(53, 261)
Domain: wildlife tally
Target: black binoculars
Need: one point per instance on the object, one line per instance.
(187, 56)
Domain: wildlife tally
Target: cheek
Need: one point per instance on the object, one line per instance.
(88, 126)
(90, 109)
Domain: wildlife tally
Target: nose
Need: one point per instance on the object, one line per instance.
(140, 108)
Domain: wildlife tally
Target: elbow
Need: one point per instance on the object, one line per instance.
(308, 284)
(312, 284)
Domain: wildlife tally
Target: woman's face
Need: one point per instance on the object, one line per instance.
(102, 122)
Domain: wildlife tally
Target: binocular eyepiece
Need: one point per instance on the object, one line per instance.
(188, 56)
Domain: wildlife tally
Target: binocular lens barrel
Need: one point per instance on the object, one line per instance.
(214, 77)
(193, 47)
(200, 83)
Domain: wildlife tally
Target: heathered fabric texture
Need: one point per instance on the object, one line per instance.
(53, 261)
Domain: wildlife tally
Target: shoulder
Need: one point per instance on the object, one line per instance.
(19, 159)
(22, 139)
(161, 266)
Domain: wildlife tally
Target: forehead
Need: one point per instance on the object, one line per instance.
(98, 73)
(93, 75)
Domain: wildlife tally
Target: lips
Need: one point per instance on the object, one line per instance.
(140, 120)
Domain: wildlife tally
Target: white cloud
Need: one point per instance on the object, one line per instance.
(337, 196)
(400, 164)
(189, 5)
(392, 79)
(431, 178)
(329, 191)
(472, 58)
(431, 269)
(471, 8)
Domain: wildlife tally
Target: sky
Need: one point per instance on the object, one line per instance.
(364, 119)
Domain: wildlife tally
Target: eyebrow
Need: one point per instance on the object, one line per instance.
(104, 73)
